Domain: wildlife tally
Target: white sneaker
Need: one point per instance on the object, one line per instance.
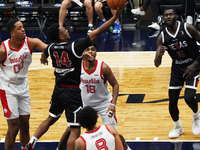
(176, 132)
(138, 12)
(189, 20)
(154, 25)
(196, 124)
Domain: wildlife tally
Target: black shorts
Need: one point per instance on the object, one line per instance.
(68, 99)
(75, 5)
(177, 80)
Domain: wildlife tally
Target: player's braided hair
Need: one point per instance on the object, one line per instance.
(87, 117)
(11, 25)
(53, 33)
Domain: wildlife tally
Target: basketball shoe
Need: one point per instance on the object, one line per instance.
(176, 132)
(28, 146)
(196, 123)
(154, 26)
(117, 28)
(137, 11)
(101, 23)
(90, 29)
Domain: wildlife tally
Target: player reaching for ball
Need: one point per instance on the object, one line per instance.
(95, 93)
(66, 59)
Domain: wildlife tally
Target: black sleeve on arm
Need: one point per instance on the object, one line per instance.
(46, 51)
(81, 44)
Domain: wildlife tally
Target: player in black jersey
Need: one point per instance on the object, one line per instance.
(179, 39)
(66, 59)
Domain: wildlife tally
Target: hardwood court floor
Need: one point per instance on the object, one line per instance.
(135, 71)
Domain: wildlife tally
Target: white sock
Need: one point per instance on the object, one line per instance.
(33, 140)
(104, 20)
(90, 25)
(117, 21)
(195, 114)
(178, 124)
(128, 148)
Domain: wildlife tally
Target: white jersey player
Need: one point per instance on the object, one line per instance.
(96, 137)
(94, 90)
(15, 58)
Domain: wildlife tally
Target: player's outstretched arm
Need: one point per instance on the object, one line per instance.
(36, 43)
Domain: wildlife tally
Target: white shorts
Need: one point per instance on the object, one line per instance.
(106, 119)
(15, 99)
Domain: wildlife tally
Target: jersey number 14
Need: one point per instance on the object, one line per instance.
(64, 59)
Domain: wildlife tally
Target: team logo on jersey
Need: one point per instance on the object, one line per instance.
(96, 74)
(92, 80)
(178, 45)
(19, 59)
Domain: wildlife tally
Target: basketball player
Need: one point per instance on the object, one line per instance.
(96, 137)
(94, 90)
(179, 39)
(66, 59)
(15, 58)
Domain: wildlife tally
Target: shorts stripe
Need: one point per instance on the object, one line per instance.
(54, 116)
(191, 87)
(175, 87)
(4, 103)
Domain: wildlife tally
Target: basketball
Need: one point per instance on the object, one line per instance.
(114, 4)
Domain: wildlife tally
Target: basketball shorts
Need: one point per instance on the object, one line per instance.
(177, 80)
(15, 99)
(101, 109)
(107, 120)
(75, 5)
(68, 99)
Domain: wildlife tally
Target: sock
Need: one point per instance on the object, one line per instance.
(195, 114)
(90, 25)
(128, 148)
(177, 124)
(33, 140)
(104, 20)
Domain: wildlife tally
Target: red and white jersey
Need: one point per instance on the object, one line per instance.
(94, 90)
(14, 69)
(101, 138)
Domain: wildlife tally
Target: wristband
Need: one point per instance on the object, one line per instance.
(113, 105)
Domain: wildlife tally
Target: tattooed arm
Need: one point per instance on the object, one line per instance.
(79, 144)
(2, 53)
